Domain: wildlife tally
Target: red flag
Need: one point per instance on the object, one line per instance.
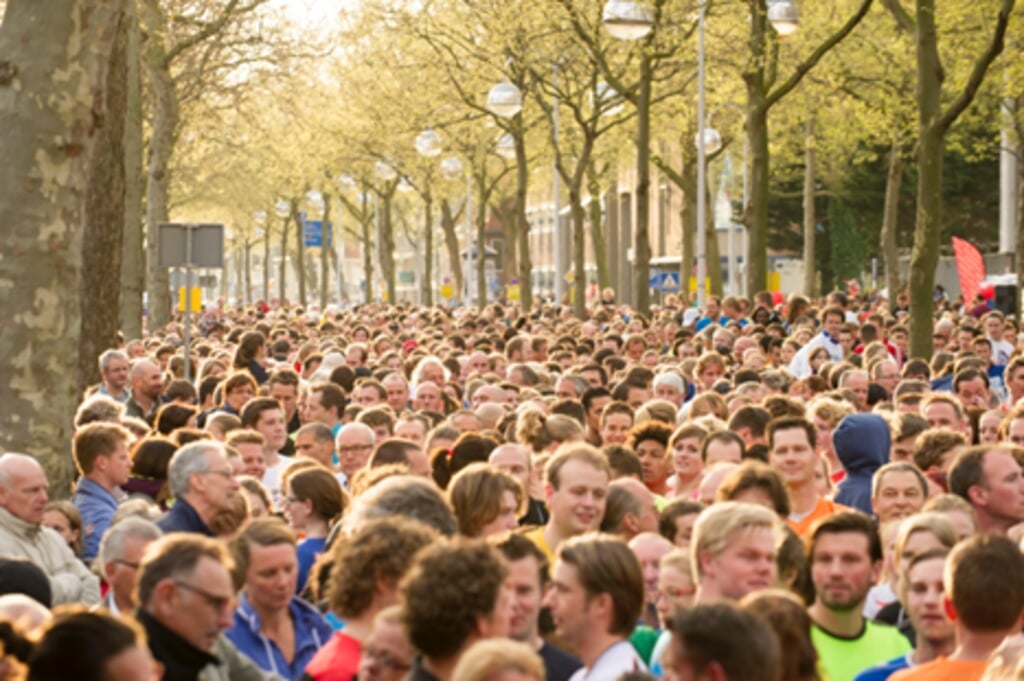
(969, 266)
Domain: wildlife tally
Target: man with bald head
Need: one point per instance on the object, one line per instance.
(147, 385)
(428, 397)
(649, 547)
(354, 445)
(23, 497)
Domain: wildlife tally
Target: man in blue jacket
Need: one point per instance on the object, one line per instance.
(100, 451)
(203, 483)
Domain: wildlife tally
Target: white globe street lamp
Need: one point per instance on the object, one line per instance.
(627, 20)
(712, 141)
(384, 171)
(346, 182)
(315, 200)
(428, 144)
(783, 16)
(505, 100)
(506, 146)
(451, 168)
(260, 217)
(282, 209)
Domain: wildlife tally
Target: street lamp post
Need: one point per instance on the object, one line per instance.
(429, 145)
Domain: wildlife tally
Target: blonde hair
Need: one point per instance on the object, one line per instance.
(486, 660)
(540, 431)
(717, 524)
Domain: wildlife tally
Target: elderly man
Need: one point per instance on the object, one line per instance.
(120, 554)
(398, 391)
(186, 601)
(354, 445)
(23, 496)
(114, 370)
(202, 483)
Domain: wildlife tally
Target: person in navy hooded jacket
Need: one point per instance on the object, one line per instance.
(276, 629)
(861, 442)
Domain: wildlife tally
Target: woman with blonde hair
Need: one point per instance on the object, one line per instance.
(499, 659)
(541, 432)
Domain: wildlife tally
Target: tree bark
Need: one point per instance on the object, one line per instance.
(266, 263)
(133, 259)
(300, 251)
(890, 221)
(282, 284)
(103, 230)
(712, 255)
(451, 239)
(246, 296)
(164, 122)
(325, 269)
(54, 66)
(522, 223)
(427, 283)
(364, 221)
(597, 231)
(642, 252)
(810, 217)
(387, 245)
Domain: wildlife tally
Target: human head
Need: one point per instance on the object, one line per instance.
(120, 554)
(200, 473)
(90, 646)
(499, 660)
(990, 479)
(184, 583)
(898, 490)
(313, 493)
(733, 549)
(354, 444)
(405, 495)
(721, 641)
(576, 499)
(100, 450)
(23, 487)
(265, 563)
(454, 594)
(985, 584)
(485, 500)
(845, 556)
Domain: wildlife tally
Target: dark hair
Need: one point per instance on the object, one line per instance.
(676, 509)
(792, 625)
(151, 457)
(172, 416)
(742, 643)
(987, 583)
(753, 474)
(79, 645)
(253, 410)
(842, 522)
(791, 423)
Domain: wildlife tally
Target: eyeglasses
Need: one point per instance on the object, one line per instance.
(386, 659)
(218, 603)
(352, 449)
(227, 475)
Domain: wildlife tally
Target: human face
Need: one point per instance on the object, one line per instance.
(832, 323)
(122, 572)
(684, 530)
(315, 412)
(903, 450)
(824, 428)
(272, 576)
(577, 506)
(593, 378)
(648, 550)
(367, 396)
(924, 602)
(239, 395)
(132, 664)
(257, 507)
(616, 428)
(1015, 433)
(26, 494)
(307, 445)
(433, 372)
(513, 460)
(723, 450)
(507, 518)
(994, 328)
(973, 393)
(597, 405)
(636, 397)
(917, 542)
(296, 511)
(745, 565)
(286, 395)
(411, 429)
(664, 391)
(428, 397)
(149, 381)
(899, 496)
(655, 465)
(398, 394)
(1015, 384)
(217, 485)
(710, 374)
(942, 415)
(524, 584)
(842, 570)
(354, 449)
(857, 383)
(59, 523)
(117, 467)
(793, 457)
(569, 604)
(686, 458)
(253, 463)
(888, 376)
(201, 604)
(988, 427)
(387, 654)
(116, 375)
(1002, 493)
(675, 592)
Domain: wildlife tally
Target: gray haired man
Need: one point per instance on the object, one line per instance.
(202, 483)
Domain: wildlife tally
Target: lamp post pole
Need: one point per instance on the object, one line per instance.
(701, 164)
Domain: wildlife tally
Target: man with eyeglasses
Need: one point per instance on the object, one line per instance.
(120, 553)
(202, 483)
(354, 445)
(186, 601)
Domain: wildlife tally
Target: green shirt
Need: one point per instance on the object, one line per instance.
(841, 658)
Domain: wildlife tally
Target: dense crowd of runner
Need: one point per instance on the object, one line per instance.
(765, 489)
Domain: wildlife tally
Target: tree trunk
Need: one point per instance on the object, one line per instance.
(325, 269)
(54, 66)
(133, 258)
(1018, 257)
(481, 251)
(688, 221)
(451, 239)
(597, 232)
(300, 251)
(282, 288)
(712, 255)
(427, 283)
(810, 218)
(642, 252)
(928, 217)
(579, 217)
(756, 215)
(246, 296)
(522, 223)
(890, 221)
(103, 230)
(387, 247)
(165, 118)
(266, 263)
(364, 220)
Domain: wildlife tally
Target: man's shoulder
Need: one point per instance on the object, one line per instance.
(943, 669)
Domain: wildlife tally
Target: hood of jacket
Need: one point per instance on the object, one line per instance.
(861, 442)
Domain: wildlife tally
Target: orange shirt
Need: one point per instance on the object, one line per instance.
(942, 669)
(824, 507)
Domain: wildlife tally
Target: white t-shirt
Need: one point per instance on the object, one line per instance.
(613, 663)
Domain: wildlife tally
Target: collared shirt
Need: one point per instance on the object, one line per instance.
(97, 507)
(311, 633)
(121, 397)
(615, 661)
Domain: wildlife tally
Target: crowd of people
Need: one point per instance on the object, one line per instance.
(762, 490)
